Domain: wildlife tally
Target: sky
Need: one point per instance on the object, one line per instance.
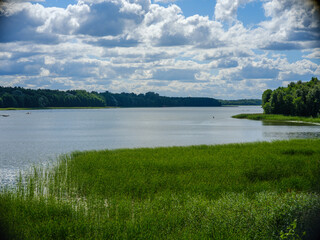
(225, 49)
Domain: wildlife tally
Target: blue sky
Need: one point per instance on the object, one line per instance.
(226, 49)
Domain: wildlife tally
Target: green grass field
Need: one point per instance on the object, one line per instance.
(277, 118)
(234, 191)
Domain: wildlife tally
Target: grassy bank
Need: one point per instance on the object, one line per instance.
(237, 191)
(277, 118)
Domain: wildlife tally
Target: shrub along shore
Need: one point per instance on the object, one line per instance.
(234, 191)
(277, 118)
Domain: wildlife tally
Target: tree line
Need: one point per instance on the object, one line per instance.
(18, 97)
(151, 99)
(241, 102)
(298, 99)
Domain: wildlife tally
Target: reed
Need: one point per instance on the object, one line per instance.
(277, 118)
(234, 191)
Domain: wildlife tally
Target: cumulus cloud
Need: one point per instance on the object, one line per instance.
(166, 26)
(277, 45)
(226, 10)
(294, 24)
(165, 1)
(224, 53)
(315, 54)
(110, 19)
(26, 21)
(134, 45)
(175, 74)
(19, 22)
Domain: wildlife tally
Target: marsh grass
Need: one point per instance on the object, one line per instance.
(235, 191)
(277, 118)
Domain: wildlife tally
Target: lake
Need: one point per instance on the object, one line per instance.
(39, 137)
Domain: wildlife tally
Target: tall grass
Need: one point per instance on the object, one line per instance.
(236, 191)
(277, 117)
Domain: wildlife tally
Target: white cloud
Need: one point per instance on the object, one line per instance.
(44, 72)
(223, 52)
(48, 60)
(65, 21)
(168, 27)
(226, 10)
(165, 1)
(203, 76)
(294, 24)
(5, 55)
(133, 45)
(315, 54)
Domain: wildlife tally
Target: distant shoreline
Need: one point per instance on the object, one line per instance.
(21, 98)
(48, 108)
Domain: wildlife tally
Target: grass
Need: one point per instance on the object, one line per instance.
(235, 191)
(277, 118)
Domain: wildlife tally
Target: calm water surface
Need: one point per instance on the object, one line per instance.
(39, 137)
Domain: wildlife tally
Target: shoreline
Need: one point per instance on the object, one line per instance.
(278, 118)
(48, 108)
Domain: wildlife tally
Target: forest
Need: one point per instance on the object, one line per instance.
(18, 97)
(241, 102)
(298, 99)
(151, 99)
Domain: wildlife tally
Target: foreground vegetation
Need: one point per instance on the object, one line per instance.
(277, 118)
(237, 191)
(298, 99)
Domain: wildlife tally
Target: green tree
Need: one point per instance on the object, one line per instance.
(267, 108)
(288, 108)
(266, 96)
(299, 106)
(277, 101)
(9, 100)
(300, 99)
(313, 101)
(43, 101)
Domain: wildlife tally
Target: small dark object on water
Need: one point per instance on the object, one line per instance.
(5, 115)
(28, 113)
(212, 116)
